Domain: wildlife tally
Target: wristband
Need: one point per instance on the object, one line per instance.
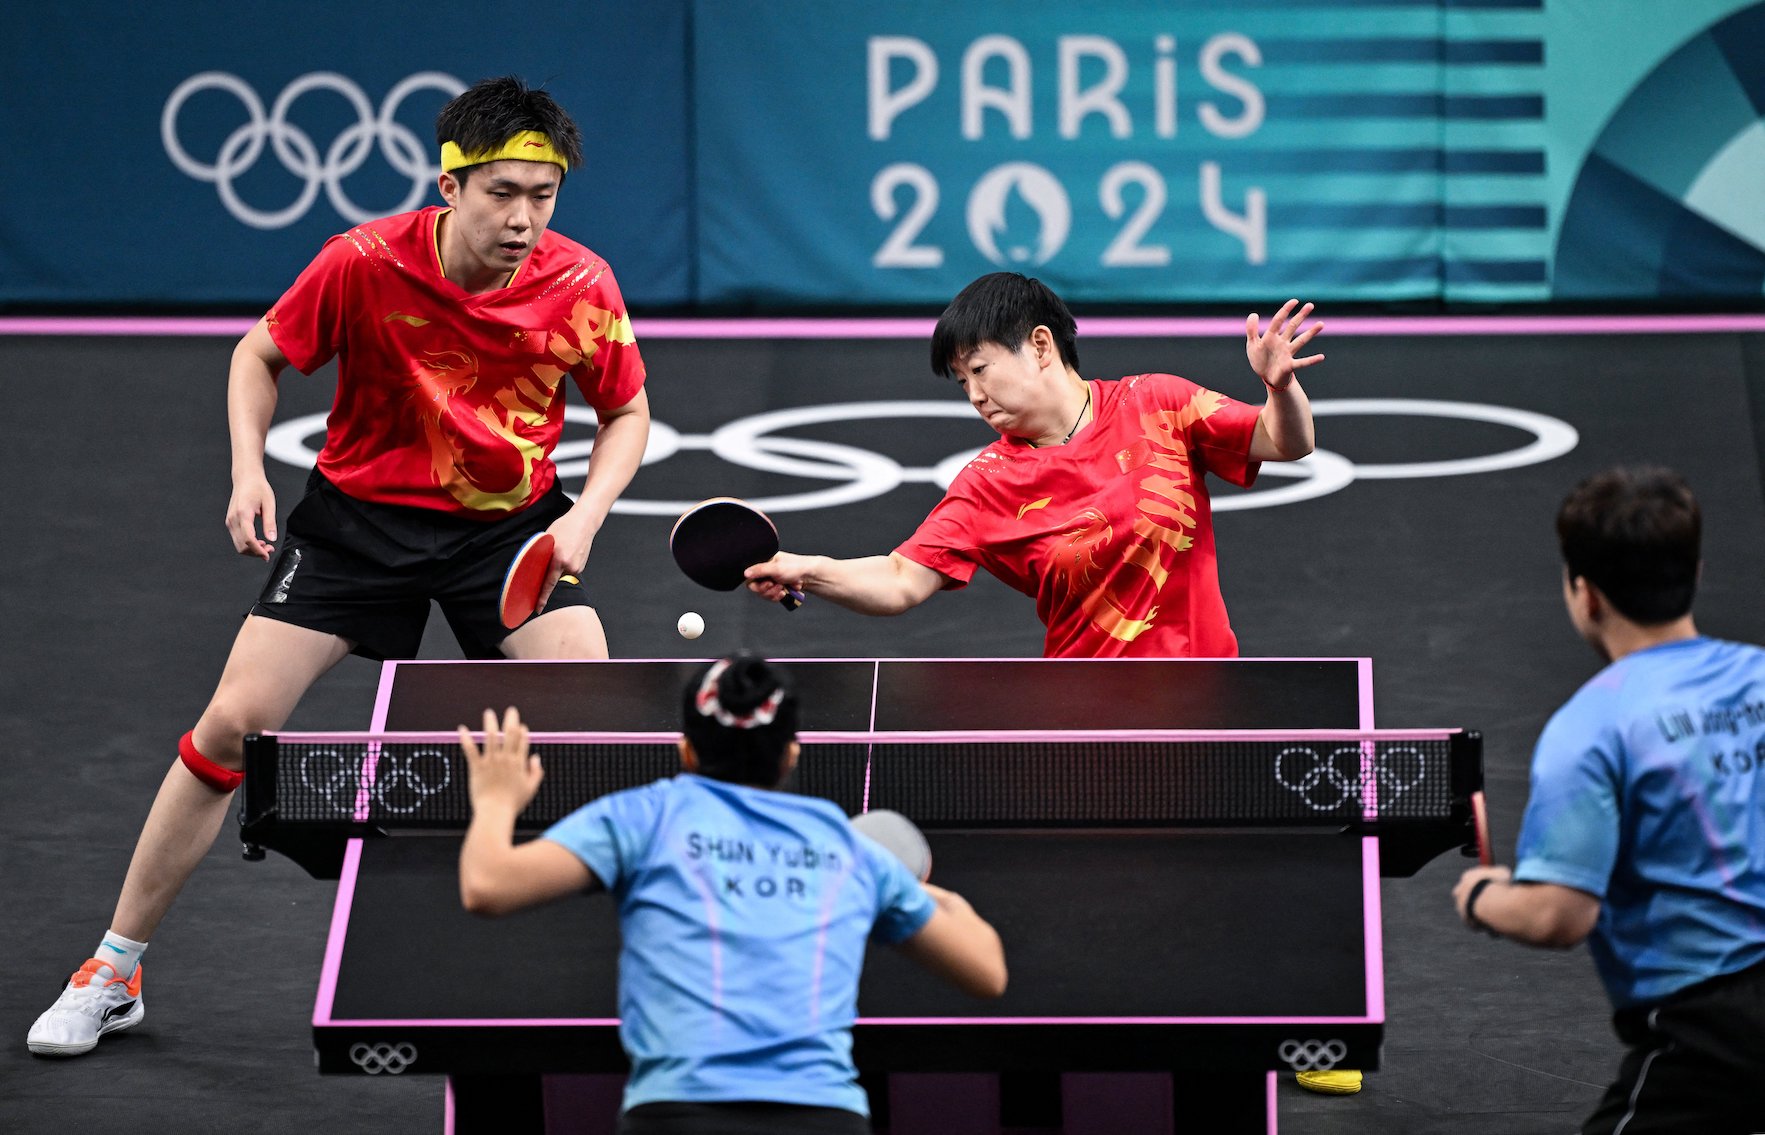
(1471, 918)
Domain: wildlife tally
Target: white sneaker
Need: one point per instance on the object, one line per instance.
(91, 1006)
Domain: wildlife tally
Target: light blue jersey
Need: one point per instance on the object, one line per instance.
(1648, 792)
(745, 914)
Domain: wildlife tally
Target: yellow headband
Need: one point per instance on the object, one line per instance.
(527, 146)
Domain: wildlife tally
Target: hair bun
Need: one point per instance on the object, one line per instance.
(740, 716)
(746, 683)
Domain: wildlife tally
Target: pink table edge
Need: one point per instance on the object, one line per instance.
(1375, 983)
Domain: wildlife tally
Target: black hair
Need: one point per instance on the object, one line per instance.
(1634, 533)
(741, 721)
(490, 112)
(1002, 308)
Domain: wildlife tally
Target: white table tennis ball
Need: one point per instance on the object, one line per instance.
(690, 625)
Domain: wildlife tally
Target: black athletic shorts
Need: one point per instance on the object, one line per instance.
(366, 572)
(1696, 1063)
(743, 1118)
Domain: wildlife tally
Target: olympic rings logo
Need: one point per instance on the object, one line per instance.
(758, 442)
(1312, 1055)
(388, 1058)
(398, 783)
(1327, 781)
(297, 151)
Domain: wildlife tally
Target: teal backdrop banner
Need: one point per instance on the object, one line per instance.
(1244, 150)
(758, 155)
(197, 154)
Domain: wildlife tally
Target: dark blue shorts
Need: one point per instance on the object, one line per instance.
(367, 572)
(740, 1119)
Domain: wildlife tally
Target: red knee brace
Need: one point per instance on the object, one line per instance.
(215, 776)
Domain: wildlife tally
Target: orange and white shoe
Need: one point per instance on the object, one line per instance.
(94, 1004)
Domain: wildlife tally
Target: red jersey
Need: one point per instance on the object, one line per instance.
(447, 400)
(1112, 533)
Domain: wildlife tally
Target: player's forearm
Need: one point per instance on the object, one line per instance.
(618, 451)
(251, 404)
(1538, 914)
(251, 397)
(981, 972)
(1287, 420)
(872, 585)
(487, 859)
(960, 946)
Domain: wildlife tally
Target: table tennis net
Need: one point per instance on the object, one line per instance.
(948, 780)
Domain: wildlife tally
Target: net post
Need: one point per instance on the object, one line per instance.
(257, 798)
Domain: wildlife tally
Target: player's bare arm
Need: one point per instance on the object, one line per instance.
(871, 585)
(1539, 914)
(618, 451)
(1284, 430)
(497, 876)
(251, 402)
(959, 946)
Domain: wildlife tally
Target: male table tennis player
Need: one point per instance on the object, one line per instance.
(1645, 831)
(453, 329)
(738, 974)
(1094, 499)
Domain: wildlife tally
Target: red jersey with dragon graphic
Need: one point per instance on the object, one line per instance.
(447, 400)
(1112, 533)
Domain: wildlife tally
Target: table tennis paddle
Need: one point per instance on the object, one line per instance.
(900, 837)
(525, 578)
(716, 540)
(1480, 821)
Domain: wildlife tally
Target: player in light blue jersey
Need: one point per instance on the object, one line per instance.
(1645, 831)
(744, 912)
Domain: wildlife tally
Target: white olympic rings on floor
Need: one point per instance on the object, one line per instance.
(757, 442)
(299, 154)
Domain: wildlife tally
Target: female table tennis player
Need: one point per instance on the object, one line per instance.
(1093, 500)
(738, 981)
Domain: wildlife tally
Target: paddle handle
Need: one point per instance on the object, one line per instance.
(792, 599)
(1480, 825)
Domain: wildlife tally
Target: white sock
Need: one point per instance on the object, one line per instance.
(121, 954)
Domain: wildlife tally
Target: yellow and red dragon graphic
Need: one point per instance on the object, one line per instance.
(496, 475)
(1124, 608)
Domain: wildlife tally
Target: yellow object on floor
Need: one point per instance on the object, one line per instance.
(1331, 1083)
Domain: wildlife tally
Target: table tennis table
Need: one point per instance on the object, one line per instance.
(1208, 902)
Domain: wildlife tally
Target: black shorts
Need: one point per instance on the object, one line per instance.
(743, 1118)
(366, 572)
(1696, 1062)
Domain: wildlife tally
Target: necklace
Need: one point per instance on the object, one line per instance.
(1080, 418)
(1075, 421)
